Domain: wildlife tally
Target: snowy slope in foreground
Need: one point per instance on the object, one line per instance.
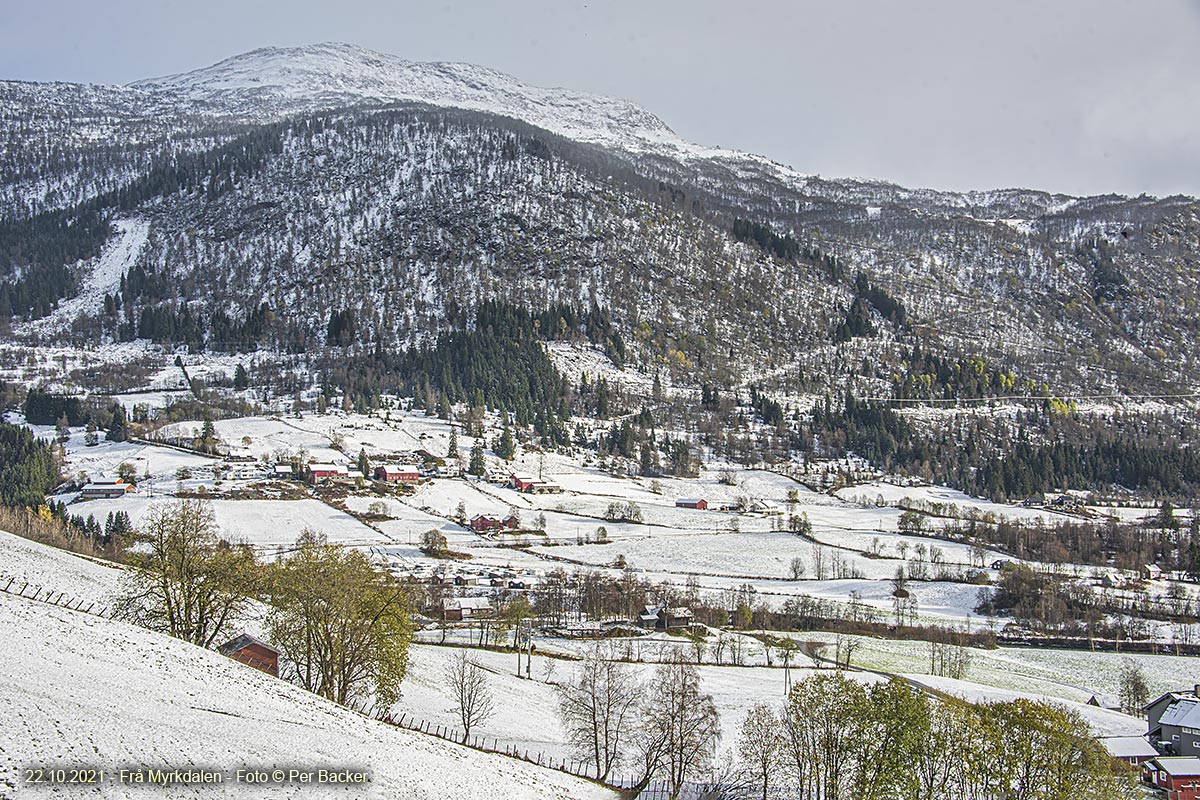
(80, 690)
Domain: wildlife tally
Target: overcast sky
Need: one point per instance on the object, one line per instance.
(1077, 96)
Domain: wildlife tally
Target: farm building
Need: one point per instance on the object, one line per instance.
(318, 471)
(521, 481)
(1133, 750)
(512, 522)
(253, 652)
(1177, 776)
(457, 609)
(283, 471)
(104, 489)
(665, 618)
(1173, 723)
(483, 522)
(524, 482)
(765, 507)
(397, 473)
(692, 503)
(1105, 701)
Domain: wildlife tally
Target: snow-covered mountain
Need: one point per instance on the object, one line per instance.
(410, 190)
(283, 80)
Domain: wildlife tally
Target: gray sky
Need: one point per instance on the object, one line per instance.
(1078, 96)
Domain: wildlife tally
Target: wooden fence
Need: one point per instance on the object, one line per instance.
(41, 594)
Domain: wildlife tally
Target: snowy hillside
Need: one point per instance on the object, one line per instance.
(131, 697)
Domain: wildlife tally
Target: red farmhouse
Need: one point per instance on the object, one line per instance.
(485, 523)
(1178, 776)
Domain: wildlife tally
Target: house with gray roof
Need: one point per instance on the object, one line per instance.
(1174, 723)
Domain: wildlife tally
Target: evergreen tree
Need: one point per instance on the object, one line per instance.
(452, 450)
(505, 447)
(208, 435)
(118, 429)
(241, 380)
(364, 466)
(477, 467)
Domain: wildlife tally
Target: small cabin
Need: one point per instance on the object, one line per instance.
(692, 503)
(252, 652)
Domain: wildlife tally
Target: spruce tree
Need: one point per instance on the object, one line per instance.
(505, 447)
(241, 380)
(118, 429)
(477, 466)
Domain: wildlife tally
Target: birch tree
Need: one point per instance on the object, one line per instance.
(598, 707)
(467, 682)
(342, 626)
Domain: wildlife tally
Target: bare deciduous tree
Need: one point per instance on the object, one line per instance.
(468, 686)
(680, 727)
(598, 708)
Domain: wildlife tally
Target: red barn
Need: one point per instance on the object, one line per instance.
(522, 481)
(692, 503)
(397, 473)
(1178, 776)
(485, 523)
(253, 652)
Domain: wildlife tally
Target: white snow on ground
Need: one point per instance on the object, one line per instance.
(113, 695)
(1070, 676)
(526, 710)
(104, 278)
(1102, 721)
(262, 523)
(80, 578)
(892, 494)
